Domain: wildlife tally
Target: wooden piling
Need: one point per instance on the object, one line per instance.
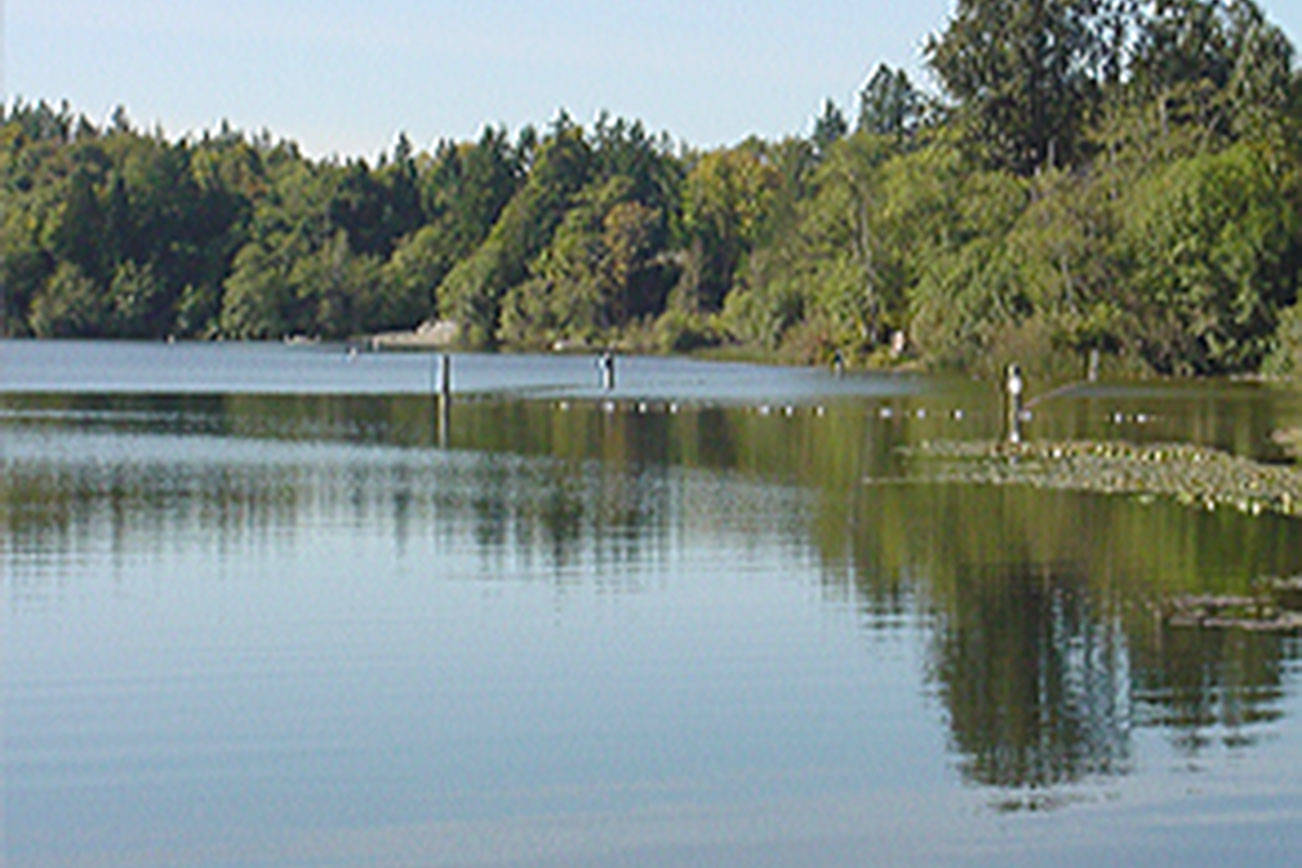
(445, 378)
(443, 397)
(1013, 388)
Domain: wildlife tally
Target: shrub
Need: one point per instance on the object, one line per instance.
(677, 331)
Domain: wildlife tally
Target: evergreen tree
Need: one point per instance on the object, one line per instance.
(1021, 72)
(829, 127)
(889, 105)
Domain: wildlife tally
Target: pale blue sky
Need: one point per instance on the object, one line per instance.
(344, 76)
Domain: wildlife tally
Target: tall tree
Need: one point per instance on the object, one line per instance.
(137, 303)
(472, 292)
(727, 202)
(889, 105)
(1215, 253)
(469, 184)
(1021, 73)
(69, 305)
(829, 127)
(76, 233)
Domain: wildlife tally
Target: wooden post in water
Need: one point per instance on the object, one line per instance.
(445, 378)
(444, 398)
(444, 423)
(1013, 387)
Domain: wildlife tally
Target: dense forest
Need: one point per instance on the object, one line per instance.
(1094, 174)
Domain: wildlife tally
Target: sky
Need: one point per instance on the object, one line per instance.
(344, 77)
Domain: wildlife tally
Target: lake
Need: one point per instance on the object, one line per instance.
(271, 605)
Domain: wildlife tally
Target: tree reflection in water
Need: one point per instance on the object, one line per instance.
(1033, 679)
(1043, 651)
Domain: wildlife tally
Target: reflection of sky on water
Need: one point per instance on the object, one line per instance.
(257, 629)
(208, 368)
(215, 634)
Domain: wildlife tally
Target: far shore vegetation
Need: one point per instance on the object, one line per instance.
(1095, 175)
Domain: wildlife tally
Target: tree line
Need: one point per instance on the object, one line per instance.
(1105, 175)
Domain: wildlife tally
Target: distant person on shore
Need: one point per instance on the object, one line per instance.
(606, 366)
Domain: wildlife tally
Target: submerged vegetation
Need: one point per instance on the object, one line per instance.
(1192, 475)
(1101, 176)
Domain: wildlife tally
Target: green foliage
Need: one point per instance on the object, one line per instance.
(137, 302)
(468, 185)
(889, 105)
(412, 274)
(728, 198)
(73, 232)
(472, 292)
(68, 305)
(965, 299)
(1211, 243)
(598, 273)
(768, 301)
(24, 268)
(197, 311)
(258, 301)
(829, 127)
(334, 289)
(1285, 359)
(876, 222)
(677, 331)
(1020, 70)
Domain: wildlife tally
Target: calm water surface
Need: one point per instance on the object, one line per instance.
(268, 605)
